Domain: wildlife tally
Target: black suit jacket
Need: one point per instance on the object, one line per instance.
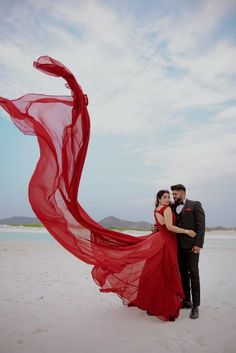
(191, 217)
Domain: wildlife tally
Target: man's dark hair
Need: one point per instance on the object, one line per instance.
(178, 187)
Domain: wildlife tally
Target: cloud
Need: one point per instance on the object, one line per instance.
(127, 76)
(164, 81)
(202, 152)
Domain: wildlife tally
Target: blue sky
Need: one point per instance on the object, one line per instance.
(161, 81)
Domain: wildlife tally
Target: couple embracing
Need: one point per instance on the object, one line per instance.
(182, 224)
(170, 279)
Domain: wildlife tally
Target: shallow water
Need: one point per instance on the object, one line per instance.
(212, 239)
(26, 235)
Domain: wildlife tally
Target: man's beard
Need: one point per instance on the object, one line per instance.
(177, 202)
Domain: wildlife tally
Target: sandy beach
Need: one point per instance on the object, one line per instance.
(49, 303)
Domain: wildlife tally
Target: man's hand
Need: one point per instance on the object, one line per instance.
(196, 249)
(154, 228)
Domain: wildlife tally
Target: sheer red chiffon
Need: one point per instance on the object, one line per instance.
(139, 270)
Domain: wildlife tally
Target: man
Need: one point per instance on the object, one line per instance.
(190, 215)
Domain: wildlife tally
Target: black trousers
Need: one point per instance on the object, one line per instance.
(189, 271)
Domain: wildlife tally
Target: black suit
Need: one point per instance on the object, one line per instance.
(191, 217)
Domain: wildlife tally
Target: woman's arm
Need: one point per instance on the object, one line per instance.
(169, 224)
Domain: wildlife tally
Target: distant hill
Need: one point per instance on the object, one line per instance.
(220, 228)
(113, 222)
(14, 221)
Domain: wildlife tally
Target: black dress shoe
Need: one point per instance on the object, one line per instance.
(171, 318)
(194, 313)
(186, 305)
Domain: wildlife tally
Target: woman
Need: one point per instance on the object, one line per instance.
(160, 289)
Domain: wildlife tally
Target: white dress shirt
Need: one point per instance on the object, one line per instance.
(180, 207)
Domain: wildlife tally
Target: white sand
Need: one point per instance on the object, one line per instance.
(49, 303)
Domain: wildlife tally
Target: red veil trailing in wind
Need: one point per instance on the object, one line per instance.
(121, 262)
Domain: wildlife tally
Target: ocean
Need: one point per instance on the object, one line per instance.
(217, 239)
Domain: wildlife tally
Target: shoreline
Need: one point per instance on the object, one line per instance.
(20, 229)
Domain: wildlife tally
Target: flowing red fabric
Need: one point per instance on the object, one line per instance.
(137, 269)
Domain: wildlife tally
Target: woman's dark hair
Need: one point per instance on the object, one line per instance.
(159, 195)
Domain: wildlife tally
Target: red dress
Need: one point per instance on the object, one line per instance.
(160, 288)
(142, 271)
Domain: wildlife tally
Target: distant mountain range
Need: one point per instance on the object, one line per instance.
(108, 222)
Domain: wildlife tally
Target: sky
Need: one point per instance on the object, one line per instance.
(161, 82)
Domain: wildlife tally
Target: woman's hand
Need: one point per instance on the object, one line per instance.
(190, 233)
